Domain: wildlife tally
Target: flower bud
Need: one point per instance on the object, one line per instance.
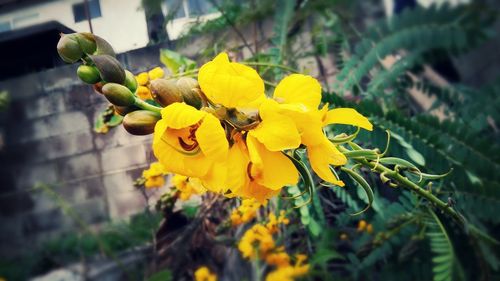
(87, 42)
(140, 122)
(118, 94)
(110, 68)
(88, 74)
(130, 81)
(124, 110)
(165, 92)
(69, 49)
(190, 91)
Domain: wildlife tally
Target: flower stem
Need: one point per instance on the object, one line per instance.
(405, 182)
(256, 63)
(146, 106)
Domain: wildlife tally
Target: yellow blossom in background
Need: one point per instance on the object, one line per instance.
(156, 73)
(245, 212)
(204, 274)
(256, 242)
(144, 93)
(154, 176)
(187, 187)
(278, 259)
(192, 143)
(273, 223)
(361, 225)
(142, 78)
(289, 272)
(369, 228)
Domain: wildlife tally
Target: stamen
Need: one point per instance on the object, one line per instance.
(188, 147)
(249, 171)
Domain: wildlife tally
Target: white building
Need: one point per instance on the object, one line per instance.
(120, 22)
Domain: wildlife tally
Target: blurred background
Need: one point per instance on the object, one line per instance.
(67, 198)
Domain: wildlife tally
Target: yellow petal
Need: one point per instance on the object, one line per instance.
(298, 88)
(347, 116)
(142, 78)
(180, 115)
(230, 84)
(212, 138)
(276, 131)
(271, 169)
(238, 161)
(322, 156)
(258, 192)
(215, 179)
(171, 157)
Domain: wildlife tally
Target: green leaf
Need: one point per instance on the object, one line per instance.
(414, 155)
(176, 62)
(115, 120)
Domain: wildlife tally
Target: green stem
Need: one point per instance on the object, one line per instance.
(185, 73)
(146, 106)
(405, 182)
(270, 65)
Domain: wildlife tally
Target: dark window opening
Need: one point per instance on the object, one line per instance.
(79, 10)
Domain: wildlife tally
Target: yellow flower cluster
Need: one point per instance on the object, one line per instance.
(287, 272)
(154, 176)
(186, 187)
(274, 222)
(258, 243)
(245, 212)
(143, 79)
(204, 274)
(248, 160)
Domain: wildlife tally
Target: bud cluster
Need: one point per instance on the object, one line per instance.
(138, 98)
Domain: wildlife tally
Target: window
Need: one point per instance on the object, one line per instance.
(188, 8)
(79, 10)
(5, 26)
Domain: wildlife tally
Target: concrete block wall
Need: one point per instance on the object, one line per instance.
(49, 139)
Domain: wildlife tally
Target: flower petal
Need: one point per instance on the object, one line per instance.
(276, 131)
(322, 156)
(230, 84)
(347, 116)
(298, 88)
(270, 168)
(180, 115)
(212, 138)
(237, 162)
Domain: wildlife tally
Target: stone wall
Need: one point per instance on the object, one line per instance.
(48, 139)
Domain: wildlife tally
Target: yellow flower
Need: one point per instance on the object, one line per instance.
(245, 212)
(298, 97)
(156, 73)
(273, 223)
(144, 93)
(230, 84)
(142, 78)
(278, 259)
(204, 274)
(192, 143)
(256, 242)
(289, 272)
(256, 172)
(369, 228)
(361, 225)
(187, 186)
(155, 175)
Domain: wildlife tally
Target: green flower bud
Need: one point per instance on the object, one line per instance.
(110, 68)
(165, 92)
(87, 42)
(190, 91)
(118, 94)
(88, 74)
(69, 49)
(130, 81)
(140, 122)
(124, 110)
